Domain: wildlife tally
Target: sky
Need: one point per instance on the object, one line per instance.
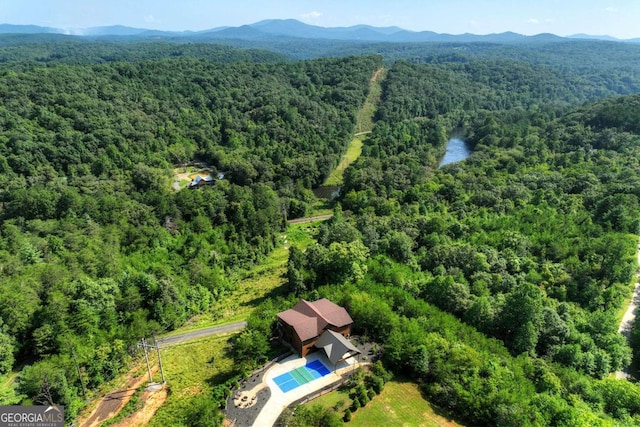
(617, 18)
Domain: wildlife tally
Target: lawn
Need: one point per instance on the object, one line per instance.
(191, 369)
(399, 404)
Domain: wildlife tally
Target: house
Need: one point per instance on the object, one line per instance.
(317, 324)
(199, 181)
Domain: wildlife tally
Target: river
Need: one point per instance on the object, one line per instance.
(457, 150)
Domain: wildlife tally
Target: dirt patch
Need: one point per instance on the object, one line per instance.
(153, 400)
(375, 76)
(113, 402)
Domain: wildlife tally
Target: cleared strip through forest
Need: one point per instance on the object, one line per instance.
(364, 125)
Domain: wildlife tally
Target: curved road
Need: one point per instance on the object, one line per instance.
(200, 333)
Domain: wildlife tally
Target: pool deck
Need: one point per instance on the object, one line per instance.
(278, 400)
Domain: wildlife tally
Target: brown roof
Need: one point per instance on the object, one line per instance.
(309, 319)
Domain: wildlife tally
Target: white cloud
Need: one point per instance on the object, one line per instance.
(533, 21)
(611, 9)
(312, 15)
(150, 19)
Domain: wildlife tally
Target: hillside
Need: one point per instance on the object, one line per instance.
(96, 248)
(531, 241)
(495, 283)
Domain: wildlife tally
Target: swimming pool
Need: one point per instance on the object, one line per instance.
(302, 375)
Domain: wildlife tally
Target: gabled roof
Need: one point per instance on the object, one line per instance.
(196, 181)
(335, 346)
(309, 319)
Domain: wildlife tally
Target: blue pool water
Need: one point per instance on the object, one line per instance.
(302, 375)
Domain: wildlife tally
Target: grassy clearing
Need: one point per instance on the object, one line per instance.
(364, 123)
(353, 152)
(184, 176)
(366, 113)
(265, 280)
(627, 301)
(399, 404)
(191, 369)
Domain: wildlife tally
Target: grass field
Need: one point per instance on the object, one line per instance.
(365, 114)
(353, 152)
(191, 369)
(399, 404)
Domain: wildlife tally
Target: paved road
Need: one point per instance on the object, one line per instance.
(310, 219)
(627, 322)
(201, 333)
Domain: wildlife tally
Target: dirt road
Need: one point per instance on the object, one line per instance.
(309, 219)
(113, 402)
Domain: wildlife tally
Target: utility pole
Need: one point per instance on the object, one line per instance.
(155, 346)
(159, 358)
(146, 357)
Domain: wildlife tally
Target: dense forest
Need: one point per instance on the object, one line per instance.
(495, 283)
(96, 248)
(532, 241)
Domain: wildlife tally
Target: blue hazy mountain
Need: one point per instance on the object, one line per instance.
(290, 28)
(28, 29)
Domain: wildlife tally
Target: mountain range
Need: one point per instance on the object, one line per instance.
(291, 28)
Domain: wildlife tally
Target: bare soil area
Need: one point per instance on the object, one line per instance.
(112, 403)
(153, 400)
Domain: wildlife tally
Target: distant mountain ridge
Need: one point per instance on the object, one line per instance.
(291, 28)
